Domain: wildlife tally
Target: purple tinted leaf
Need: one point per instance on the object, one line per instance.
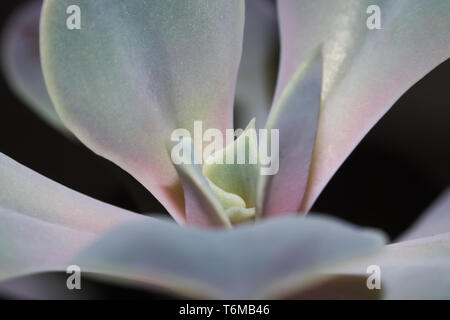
(264, 260)
(365, 71)
(27, 192)
(22, 64)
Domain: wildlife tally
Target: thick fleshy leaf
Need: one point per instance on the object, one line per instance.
(27, 192)
(227, 199)
(416, 269)
(262, 260)
(235, 168)
(434, 221)
(255, 85)
(22, 64)
(29, 245)
(138, 69)
(365, 71)
(295, 114)
(203, 209)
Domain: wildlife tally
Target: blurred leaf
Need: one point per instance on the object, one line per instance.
(29, 245)
(257, 72)
(22, 64)
(202, 206)
(416, 269)
(434, 221)
(265, 260)
(28, 193)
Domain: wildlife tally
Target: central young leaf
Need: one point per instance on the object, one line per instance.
(232, 173)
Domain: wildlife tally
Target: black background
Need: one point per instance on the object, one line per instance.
(392, 176)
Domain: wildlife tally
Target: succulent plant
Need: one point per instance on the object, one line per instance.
(138, 70)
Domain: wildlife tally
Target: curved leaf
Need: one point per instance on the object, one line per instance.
(416, 269)
(29, 245)
(295, 115)
(135, 71)
(338, 287)
(29, 193)
(240, 176)
(22, 64)
(365, 71)
(434, 221)
(262, 260)
(202, 206)
(255, 87)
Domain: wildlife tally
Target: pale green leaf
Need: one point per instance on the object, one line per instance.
(137, 70)
(235, 168)
(262, 260)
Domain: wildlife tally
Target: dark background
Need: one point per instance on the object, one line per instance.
(393, 175)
